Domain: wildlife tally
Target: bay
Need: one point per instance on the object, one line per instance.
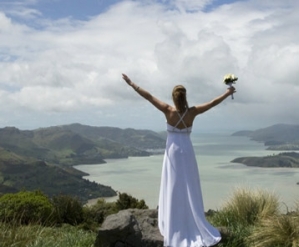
(140, 176)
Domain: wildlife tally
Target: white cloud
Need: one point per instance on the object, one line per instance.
(71, 67)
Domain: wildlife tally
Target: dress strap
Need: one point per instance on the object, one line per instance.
(181, 119)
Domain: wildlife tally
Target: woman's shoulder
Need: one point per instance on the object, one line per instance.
(192, 109)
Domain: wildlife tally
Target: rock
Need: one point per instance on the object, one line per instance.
(130, 228)
(137, 228)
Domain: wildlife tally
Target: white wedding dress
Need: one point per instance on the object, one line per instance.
(182, 219)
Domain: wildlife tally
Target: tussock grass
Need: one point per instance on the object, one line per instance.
(276, 231)
(242, 211)
(248, 206)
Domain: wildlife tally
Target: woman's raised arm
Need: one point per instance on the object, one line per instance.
(160, 105)
(207, 106)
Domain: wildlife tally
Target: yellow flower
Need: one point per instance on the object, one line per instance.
(230, 78)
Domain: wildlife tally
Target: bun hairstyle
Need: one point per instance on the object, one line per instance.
(179, 98)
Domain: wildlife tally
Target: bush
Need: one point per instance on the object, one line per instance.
(126, 201)
(26, 207)
(68, 209)
(97, 213)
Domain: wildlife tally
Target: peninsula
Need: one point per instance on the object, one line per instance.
(287, 159)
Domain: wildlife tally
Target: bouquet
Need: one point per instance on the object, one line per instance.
(229, 79)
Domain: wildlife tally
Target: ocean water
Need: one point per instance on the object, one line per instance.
(140, 176)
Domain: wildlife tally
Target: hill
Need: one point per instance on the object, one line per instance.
(43, 158)
(139, 139)
(79, 144)
(19, 172)
(276, 137)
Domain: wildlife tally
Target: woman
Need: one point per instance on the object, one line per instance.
(181, 215)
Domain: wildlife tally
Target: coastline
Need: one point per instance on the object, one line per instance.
(140, 176)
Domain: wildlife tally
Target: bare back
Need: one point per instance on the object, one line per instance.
(173, 118)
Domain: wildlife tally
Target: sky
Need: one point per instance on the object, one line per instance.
(61, 61)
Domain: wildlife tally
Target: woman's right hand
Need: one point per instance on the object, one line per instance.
(127, 79)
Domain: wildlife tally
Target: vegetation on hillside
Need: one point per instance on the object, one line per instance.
(249, 218)
(29, 219)
(18, 172)
(79, 144)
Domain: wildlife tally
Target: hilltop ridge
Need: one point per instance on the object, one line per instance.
(275, 137)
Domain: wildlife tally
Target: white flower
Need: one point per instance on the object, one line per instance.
(230, 78)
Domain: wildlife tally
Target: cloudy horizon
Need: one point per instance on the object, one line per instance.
(61, 61)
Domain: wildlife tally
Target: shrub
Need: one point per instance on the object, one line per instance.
(68, 209)
(126, 201)
(96, 214)
(26, 207)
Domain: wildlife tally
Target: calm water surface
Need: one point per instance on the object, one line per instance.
(140, 176)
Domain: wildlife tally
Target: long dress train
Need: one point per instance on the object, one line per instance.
(182, 220)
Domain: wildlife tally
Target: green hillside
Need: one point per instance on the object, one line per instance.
(44, 158)
(140, 139)
(18, 173)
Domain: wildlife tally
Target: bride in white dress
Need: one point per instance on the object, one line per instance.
(181, 214)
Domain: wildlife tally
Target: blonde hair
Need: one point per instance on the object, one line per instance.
(179, 98)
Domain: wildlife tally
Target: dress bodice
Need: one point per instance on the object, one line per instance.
(171, 128)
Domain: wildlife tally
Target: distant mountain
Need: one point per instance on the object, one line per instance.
(79, 144)
(276, 137)
(140, 139)
(242, 133)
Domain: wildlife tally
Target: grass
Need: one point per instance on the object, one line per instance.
(251, 218)
(39, 236)
(249, 206)
(282, 230)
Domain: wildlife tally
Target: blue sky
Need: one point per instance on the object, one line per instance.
(56, 9)
(61, 61)
(84, 9)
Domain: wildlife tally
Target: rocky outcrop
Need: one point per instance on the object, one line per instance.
(137, 228)
(130, 228)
